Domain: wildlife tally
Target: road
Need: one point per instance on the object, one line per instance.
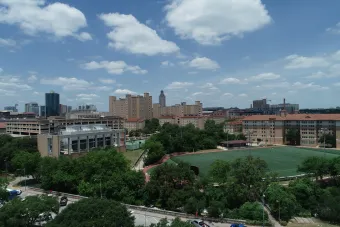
(141, 218)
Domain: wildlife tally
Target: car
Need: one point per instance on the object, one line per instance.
(63, 201)
(237, 225)
(198, 223)
(44, 217)
(14, 191)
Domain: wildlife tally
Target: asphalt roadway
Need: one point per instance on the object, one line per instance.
(141, 218)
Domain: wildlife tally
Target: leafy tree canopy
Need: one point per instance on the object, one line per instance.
(26, 213)
(94, 212)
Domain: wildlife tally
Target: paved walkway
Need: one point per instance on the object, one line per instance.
(271, 218)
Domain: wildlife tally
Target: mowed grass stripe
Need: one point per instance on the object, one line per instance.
(282, 160)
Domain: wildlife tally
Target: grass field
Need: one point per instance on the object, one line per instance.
(282, 160)
(133, 156)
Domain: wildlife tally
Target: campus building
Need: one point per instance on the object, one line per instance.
(197, 121)
(134, 124)
(273, 128)
(33, 127)
(77, 140)
(131, 106)
(178, 110)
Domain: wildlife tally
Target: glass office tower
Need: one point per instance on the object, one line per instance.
(52, 102)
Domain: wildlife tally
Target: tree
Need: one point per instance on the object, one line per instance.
(25, 213)
(100, 173)
(94, 212)
(247, 175)
(27, 163)
(219, 171)
(334, 168)
(293, 137)
(155, 152)
(281, 201)
(328, 139)
(252, 211)
(306, 193)
(170, 185)
(9, 146)
(151, 126)
(318, 166)
(328, 207)
(3, 193)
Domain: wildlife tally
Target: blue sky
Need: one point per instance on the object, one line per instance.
(221, 52)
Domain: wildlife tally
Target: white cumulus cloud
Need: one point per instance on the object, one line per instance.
(32, 78)
(124, 92)
(7, 42)
(231, 80)
(202, 63)
(178, 85)
(11, 83)
(107, 81)
(130, 35)
(228, 95)
(87, 96)
(167, 64)
(265, 76)
(113, 67)
(36, 16)
(212, 21)
(302, 62)
(67, 83)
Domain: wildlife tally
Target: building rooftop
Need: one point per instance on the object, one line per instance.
(294, 117)
(83, 129)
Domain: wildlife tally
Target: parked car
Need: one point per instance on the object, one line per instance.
(44, 217)
(237, 225)
(63, 201)
(198, 223)
(14, 191)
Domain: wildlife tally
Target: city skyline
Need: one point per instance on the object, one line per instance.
(89, 54)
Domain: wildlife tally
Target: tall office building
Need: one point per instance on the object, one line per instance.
(131, 106)
(162, 99)
(32, 107)
(52, 102)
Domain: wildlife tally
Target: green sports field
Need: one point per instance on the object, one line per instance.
(282, 160)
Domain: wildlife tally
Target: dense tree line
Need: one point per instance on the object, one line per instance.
(10, 146)
(28, 212)
(174, 138)
(94, 212)
(230, 190)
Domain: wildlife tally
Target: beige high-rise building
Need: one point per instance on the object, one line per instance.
(178, 110)
(131, 106)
